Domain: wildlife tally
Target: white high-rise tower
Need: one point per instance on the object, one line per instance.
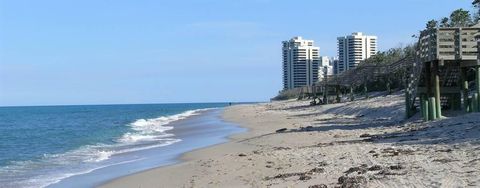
(353, 49)
(300, 63)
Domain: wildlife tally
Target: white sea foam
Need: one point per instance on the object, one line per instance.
(154, 129)
(145, 134)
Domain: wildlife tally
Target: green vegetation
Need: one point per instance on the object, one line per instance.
(287, 94)
(389, 56)
(476, 14)
(460, 18)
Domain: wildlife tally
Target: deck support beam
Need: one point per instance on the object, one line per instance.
(466, 104)
(477, 86)
(389, 87)
(337, 89)
(438, 106)
(352, 95)
(431, 108)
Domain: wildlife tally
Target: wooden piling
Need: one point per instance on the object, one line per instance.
(477, 85)
(389, 87)
(431, 108)
(428, 79)
(337, 90)
(466, 104)
(365, 90)
(352, 95)
(475, 102)
(470, 103)
(408, 110)
(325, 90)
(436, 82)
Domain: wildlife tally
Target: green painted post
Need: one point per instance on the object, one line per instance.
(424, 107)
(431, 109)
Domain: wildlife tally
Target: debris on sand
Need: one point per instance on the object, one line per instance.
(318, 186)
(354, 181)
(281, 148)
(302, 175)
(444, 160)
(359, 169)
(365, 135)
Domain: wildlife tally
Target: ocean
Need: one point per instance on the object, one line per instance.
(84, 146)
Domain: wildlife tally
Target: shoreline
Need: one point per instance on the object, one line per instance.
(366, 142)
(196, 131)
(196, 154)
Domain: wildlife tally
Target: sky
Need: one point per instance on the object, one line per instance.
(57, 52)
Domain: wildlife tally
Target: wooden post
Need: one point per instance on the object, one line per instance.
(337, 88)
(352, 95)
(428, 79)
(470, 104)
(475, 102)
(408, 110)
(389, 89)
(466, 104)
(436, 82)
(477, 85)
(365, 89)
(325, 94)
(325, 90)
(431, 108)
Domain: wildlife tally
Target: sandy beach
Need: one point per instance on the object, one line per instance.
(364, 143)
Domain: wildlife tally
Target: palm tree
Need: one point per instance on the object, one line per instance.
(444, 22)
(476, 16)
(460, 18)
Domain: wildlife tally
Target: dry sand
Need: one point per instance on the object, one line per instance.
(365, 143)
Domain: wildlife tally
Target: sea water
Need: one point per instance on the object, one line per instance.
(42, 146)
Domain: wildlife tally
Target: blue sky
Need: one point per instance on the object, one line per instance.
(155, 51)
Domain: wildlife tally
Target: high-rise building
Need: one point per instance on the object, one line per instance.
(335, 65)
(300, 63)
(325, 67)
(353, 49)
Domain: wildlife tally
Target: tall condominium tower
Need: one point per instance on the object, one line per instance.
(300, 63)
(353, 49)
(325, 67)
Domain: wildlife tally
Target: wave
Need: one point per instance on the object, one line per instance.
(154, 129)
(52, 168)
